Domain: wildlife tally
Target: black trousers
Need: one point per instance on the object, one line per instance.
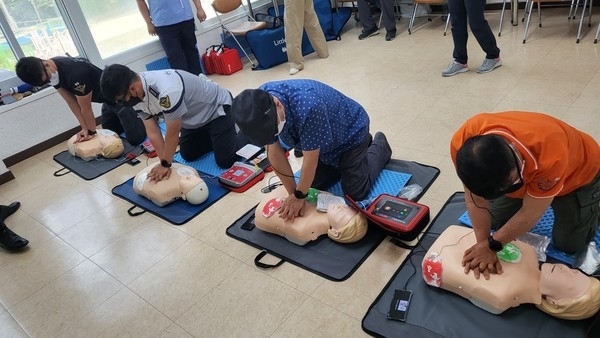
(471, 11)
(359, 168)
(123, 119)
(576, 216)
(219, 136)
(179, 43)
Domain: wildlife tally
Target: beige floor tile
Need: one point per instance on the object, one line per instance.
(123, 315)
(27, 227)
(239, 306)
(65, 300)
(585, 119)
(102, 228)
(29, 174)
(588, 98)
(174, 331)
(190, 272)
(48, 155)
(136, 251)
(10, 328)
(78, 201)
(315, 319)
(27, 272)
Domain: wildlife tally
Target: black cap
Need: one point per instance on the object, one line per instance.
(254, 111)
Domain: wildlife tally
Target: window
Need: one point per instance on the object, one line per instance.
(98, 30)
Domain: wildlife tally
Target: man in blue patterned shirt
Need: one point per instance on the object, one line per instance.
(331, 129)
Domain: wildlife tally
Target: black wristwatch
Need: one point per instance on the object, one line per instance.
(300, 195)
(165, 163)
(494, 245)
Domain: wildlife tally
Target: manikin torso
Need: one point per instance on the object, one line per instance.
(184, 183)
(303, 229)
(105, 143)
(518, 284)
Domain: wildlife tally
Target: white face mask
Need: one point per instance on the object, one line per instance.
(54, 78)
(280, 127)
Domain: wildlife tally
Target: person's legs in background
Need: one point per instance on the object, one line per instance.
(388, 19)
(8, 239)
(366, 20)
(171, 42)
(188, 47)
(314, 31)
(194, 143)
(225, 140)
(293, 17)
(458, 18)
(483, 33)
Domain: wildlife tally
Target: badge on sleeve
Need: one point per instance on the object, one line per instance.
(165, 102)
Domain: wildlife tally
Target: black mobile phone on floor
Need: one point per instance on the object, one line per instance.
(399, 305)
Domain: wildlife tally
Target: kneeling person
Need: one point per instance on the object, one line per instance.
(195, 110)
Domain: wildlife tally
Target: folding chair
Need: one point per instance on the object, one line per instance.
(222, 7)
(530, 9)
(411, 23)
(597, 33)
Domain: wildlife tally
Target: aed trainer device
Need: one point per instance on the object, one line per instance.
(402, 217)
(240, 174)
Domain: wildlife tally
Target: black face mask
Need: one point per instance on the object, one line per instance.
(131, 102)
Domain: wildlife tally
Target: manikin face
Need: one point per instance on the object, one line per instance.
(339, 215)
(559, 282)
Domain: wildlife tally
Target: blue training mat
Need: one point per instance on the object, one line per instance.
(205, 164)
(543, 228)
(177, 212)
(389, 182)
(158, 64)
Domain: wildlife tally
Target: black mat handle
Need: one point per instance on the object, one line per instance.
(261, 265)
(58, 172)
(133, 214)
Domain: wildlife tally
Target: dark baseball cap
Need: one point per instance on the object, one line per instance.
(254, 111)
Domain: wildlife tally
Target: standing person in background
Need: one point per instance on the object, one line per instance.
(369, 26)
(173, 22)
(300, 15)
(460, 11)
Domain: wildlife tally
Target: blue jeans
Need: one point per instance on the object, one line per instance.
(471, 10)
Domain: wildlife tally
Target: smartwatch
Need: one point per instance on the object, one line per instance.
(165, 163)
(494, 245)
(300, 195)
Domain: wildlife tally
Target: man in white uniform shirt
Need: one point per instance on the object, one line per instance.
(195, 110)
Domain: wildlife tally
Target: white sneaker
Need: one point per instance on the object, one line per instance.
(294, 71)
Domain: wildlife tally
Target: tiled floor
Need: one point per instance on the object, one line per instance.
(91, 270)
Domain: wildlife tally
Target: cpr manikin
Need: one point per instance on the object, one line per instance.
(341, 223)
(184, 183)
(105, 143)
(521, 281)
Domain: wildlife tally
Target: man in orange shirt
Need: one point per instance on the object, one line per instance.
(513, 166)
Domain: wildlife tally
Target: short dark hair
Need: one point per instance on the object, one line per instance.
(115, 81)
(484, 164)
(30, 70)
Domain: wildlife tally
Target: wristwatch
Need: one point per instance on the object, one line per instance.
(300, 195)
(165, 163)
(494, 245)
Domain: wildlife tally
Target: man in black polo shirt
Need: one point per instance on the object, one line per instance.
(78, 82)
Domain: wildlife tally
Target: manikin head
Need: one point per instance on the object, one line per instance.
(346, 225)
(105, 143)
(341, 223)
(184, 183)
(568, 293)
